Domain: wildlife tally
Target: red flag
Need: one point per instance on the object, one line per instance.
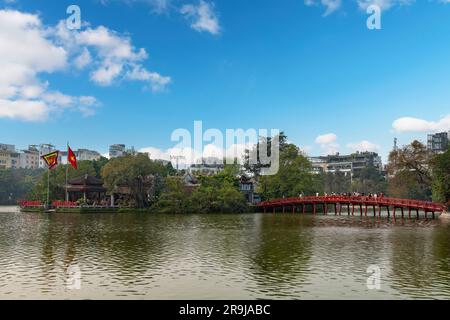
(51, 159)
(71, 158)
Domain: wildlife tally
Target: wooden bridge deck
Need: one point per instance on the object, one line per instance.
(363, 202)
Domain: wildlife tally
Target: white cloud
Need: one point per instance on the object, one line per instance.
(111, 55)
(157, 82)
(409, 124)
(29, 49)
(328, 143)
(83, 59)
(26, 51)
(383, 4)
(363, 146)
(333, 5)
(326, 138)
(330, 5)
(202, 17)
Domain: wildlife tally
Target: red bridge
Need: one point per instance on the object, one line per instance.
(321, 204)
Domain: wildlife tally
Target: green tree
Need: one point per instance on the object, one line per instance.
(98, 166)
(441, 178)
(215, 194)
(336, 182)
(175, 198)
(138, 173)
(294, 176)
(255, 153)
(16, 184)
(369, 180)
(409, 172)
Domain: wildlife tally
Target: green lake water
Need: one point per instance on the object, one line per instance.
(232, 256)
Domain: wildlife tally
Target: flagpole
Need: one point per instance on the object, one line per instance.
(67, 170)
(48, 187)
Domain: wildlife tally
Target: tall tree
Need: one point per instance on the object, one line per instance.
(294, 176)
(138, 173)
(16, 184)
(441, 178)
(409, 172)
(253, 156)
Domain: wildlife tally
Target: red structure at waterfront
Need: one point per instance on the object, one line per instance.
(323, 204)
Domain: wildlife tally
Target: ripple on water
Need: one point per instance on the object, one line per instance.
(221, 256)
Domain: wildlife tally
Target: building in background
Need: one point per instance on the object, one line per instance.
(29, 158)
(9, 157)
(351, 164)
(438, 142)
(7, 147)
(117, 150)
(207, 166)
(82, 155)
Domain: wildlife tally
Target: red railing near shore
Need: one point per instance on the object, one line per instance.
(366, 201)
(24, 203)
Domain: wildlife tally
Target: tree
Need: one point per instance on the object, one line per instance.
(175, 198)
(215, 194)
(98, 166)
(138, 173)
(336, 182)
(409, 172)
(294, 176)
(255, 153)
(369, 180)
(16, 184)
(440, 165)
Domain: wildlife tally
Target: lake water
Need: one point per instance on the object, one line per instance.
(251, 256)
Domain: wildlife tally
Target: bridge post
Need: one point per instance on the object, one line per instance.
(417, 213)
(293, 209)
(394, 212)
(348, 208)
(325, 209)
(374, 211)
(365, 210)
(264, 209)
(283, 209)
(360, 210)
(389, 213)
(379, 210)
(426, 214)
(314, 208)
(409, 212)
(273, 208)
(432, 212)
(403, 215)
(353, 209)
(335, 208)
(303, 208)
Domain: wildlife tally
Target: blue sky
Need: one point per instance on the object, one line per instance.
(139, 69)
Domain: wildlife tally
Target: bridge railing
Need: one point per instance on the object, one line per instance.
(384, 201)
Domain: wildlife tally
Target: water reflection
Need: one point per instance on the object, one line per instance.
(220, 256)
(280, 254)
